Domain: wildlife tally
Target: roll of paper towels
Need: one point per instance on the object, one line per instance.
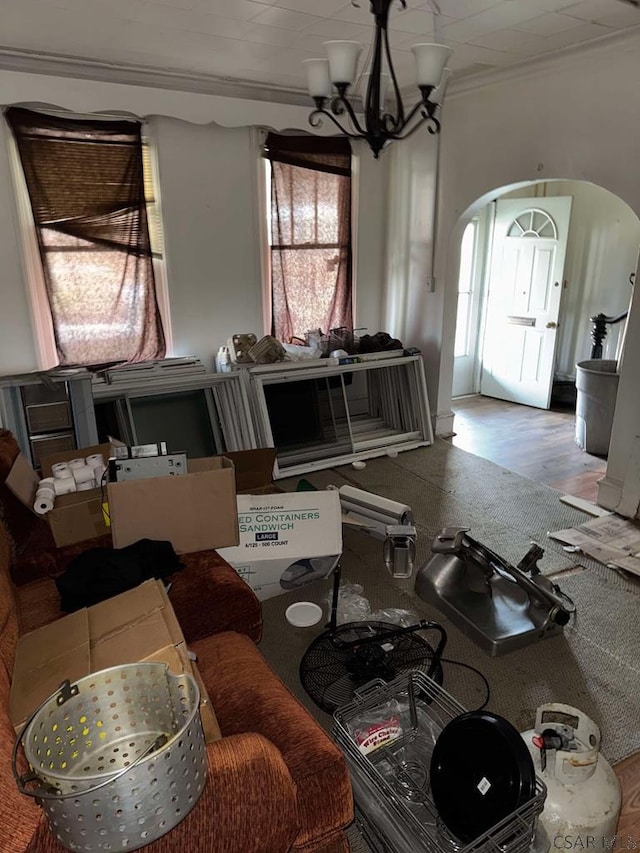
(83, 474)
(61, 471)
(46, 491)
(98, 473)
(76, 463)
(65, 485)
(84, 487)
(46, 481)
(96, 460)
(43, 504)
(373, 512)
(376, 504)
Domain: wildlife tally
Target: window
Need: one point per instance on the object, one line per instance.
(86, 186)
(465, 290)
(310, 235)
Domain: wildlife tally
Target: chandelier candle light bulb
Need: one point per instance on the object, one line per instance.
(430, 61)
(318, 80)
(343, 61)
(329, 80)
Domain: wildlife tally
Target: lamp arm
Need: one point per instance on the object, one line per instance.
(340, 103)
(398, 121)
(433, 126)
(315, 120)
(426, 115)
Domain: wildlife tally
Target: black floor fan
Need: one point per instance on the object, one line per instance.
(345, 657)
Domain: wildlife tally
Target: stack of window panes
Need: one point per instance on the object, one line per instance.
(330, 414)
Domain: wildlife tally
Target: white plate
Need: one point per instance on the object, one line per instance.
(303, 614)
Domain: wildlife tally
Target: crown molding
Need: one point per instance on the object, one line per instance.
(27, 62)
(84, 68)
(552, 61)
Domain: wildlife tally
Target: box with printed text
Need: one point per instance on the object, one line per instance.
(287, 540)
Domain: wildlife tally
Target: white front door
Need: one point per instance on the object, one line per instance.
(523, 303)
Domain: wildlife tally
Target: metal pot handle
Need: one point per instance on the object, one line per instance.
(63, 694)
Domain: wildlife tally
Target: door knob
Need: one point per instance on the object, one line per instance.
(552, 325)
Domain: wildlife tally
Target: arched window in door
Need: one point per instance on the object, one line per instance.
(533, 223)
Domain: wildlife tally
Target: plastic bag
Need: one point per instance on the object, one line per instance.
(352, 605)
(382, 725)
(296, 352)
(377, 726)
(395, 616)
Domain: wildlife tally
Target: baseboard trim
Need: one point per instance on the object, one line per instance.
(443, 424)
(609, 492)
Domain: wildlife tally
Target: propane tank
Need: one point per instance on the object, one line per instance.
(583, 793)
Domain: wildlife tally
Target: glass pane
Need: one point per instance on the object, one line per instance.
(315, 271)
(99, 299)
(307, 202)
(465, 288)
(181, 419)
(533, 223)
(466, 258)
(462, 324)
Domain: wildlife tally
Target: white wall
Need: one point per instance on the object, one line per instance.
(208, 181)
(410, 217)
(575, 118)
(209, 199)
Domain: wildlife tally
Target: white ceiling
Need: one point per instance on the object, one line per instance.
(265, 41)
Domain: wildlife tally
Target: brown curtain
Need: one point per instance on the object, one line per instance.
(311, 249)
(86, 185)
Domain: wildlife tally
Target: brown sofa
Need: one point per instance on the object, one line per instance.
(276, 781)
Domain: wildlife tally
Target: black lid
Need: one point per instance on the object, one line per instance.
(481, 772)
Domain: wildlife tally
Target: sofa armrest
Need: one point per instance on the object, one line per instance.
(209, 596)
(248, 805)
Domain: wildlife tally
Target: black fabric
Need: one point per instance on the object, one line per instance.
(321, 153)
(380, 342)
(101, 573)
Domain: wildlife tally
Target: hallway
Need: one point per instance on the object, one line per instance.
(534, 442)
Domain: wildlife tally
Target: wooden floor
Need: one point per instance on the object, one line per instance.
(536, 443)
(540, 445)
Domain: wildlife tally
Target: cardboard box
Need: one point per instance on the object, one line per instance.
(137, 625)
(254, 471)
(75, 517)
(287, 540)
(195, 511)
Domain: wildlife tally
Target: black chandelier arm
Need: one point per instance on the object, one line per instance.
(315, 120)
(433, 126)
(372, 99)
(393, 129)
(399, 119)
(340, 103)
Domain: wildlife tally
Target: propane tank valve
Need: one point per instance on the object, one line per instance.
(583, 799)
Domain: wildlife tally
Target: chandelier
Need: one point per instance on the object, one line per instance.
(329, 81)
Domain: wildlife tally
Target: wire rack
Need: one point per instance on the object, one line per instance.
(391, 785)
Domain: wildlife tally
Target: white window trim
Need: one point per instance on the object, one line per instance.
(263, 204)
(33, 276)
(159, 263)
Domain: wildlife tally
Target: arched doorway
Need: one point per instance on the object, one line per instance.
(601, 254)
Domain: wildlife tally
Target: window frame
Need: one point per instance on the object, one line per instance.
(264, 231)
(32, 269)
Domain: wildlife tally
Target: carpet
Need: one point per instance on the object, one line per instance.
(593, 666)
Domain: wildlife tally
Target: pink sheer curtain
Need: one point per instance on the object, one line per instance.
(311, 235)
